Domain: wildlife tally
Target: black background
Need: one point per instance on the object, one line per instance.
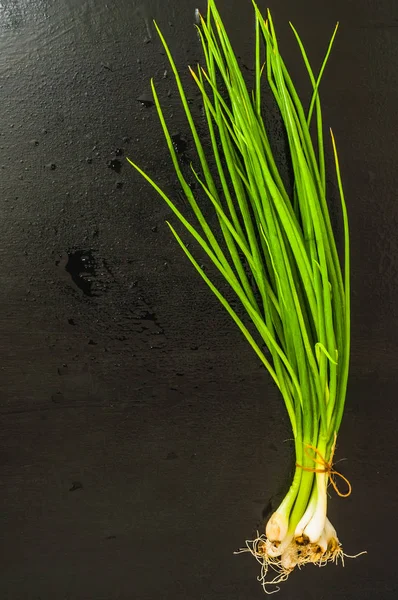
(140, 439)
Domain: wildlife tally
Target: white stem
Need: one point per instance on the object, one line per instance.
(331, 536)
(330, 530)
(274, 551)
(289, 557)
(277, 526)
(316, 524)
(305, 519)
(323, 542)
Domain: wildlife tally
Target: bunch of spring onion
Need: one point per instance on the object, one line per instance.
(275, 247)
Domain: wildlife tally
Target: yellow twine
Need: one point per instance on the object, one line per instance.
(327, 468)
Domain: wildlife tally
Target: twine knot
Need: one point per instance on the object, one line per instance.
(327, 468)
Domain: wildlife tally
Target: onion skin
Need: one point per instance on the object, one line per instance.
(277, 527)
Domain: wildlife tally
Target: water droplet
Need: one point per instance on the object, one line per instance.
(146, 100)
(171, 456)
(76, 485)
(81, 267)
(179, 143)
(115, 165)
(57, 398)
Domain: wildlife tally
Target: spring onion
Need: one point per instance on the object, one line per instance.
(276, 249)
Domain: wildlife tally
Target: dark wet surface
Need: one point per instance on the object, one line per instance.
(81, 267)
(122, 380)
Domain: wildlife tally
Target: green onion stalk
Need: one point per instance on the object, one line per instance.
(275, 247)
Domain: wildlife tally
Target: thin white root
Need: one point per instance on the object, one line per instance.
(289, 554)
